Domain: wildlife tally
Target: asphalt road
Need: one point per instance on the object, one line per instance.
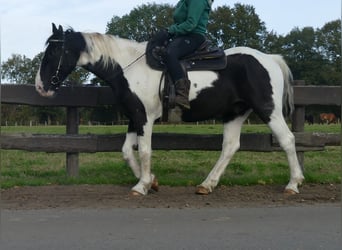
(301, 227)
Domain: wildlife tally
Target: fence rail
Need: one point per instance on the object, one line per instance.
(79, 96)
(160, 141)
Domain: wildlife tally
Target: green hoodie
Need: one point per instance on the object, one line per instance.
(190, 16)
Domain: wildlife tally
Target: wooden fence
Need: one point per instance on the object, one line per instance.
(73, 143)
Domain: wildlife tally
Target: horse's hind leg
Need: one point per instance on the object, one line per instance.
(128, 153)
(231, 143)
(286, 140)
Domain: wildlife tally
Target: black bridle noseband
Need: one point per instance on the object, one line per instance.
(55, 81)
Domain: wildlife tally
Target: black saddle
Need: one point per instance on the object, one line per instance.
(206, 57)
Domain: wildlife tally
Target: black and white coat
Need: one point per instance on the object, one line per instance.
(252, 81)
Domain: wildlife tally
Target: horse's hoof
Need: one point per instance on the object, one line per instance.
(202, 190)
(289, 192)
(135, 193)
(155, 184)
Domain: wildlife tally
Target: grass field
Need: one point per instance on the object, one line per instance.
(172, 167)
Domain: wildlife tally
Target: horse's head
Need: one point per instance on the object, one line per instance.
(60, 58)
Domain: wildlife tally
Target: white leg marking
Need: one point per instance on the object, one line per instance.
(128, 153)
(286, 140)
(145, 151)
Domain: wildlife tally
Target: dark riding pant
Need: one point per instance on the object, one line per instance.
(179, 47)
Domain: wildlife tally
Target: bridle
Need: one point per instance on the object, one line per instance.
(55, 81)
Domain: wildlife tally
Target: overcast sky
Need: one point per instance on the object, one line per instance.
(26, 24)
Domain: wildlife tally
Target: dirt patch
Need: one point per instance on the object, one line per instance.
(109, 196)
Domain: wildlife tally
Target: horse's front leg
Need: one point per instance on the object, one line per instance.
(147, 179)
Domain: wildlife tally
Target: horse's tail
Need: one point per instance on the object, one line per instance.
(288, 103)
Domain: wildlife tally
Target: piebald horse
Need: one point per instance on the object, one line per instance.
(251, 81)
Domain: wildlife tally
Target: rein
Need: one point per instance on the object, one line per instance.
(133, 62)
(129, 65)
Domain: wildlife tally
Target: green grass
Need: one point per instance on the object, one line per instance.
(175, 168)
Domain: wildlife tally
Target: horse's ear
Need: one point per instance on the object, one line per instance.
(54, 28)
(60, 28)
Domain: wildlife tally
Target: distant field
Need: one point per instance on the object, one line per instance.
(172, 167)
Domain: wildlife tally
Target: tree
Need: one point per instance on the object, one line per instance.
(50, 115)
(22, 70)
(18, 69)
(313, 55)
(16, 114)
(273, 43)
(238, 26)
(299, 48)
(141, 22)
(329, 47)
(78, 76)
(329, 41)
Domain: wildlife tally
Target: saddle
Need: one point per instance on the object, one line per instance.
(206, 57)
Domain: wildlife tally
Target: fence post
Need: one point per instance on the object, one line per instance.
(72, 128)
(298, 120)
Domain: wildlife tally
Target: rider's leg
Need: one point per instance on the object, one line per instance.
(178, 48)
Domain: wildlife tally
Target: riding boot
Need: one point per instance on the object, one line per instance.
(182, 93)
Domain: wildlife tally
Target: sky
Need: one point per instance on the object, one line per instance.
(26, 24)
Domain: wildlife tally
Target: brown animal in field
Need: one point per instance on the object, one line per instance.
(328, 118)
